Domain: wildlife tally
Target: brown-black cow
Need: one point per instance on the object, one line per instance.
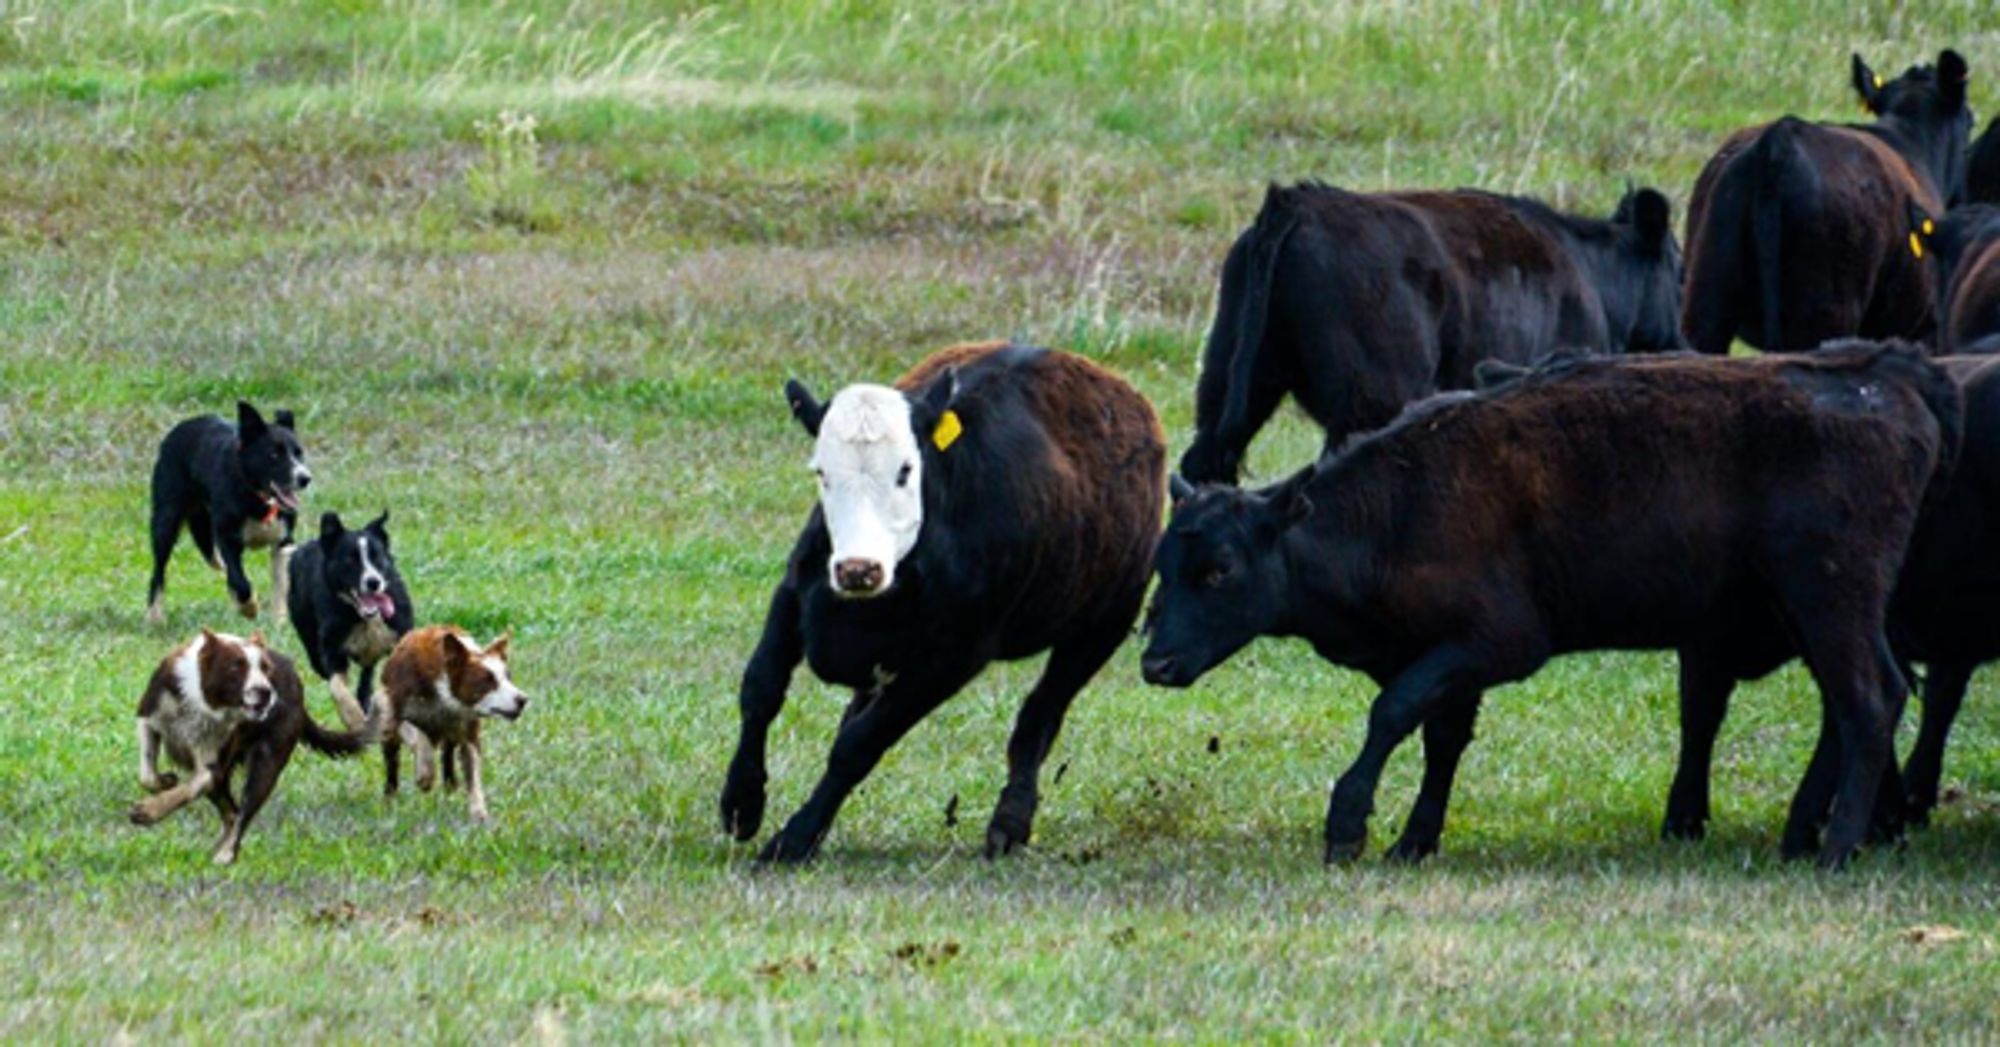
(1982, 168)
(1638, 503)
(1968, 259)
(1358, 303)
(998, 502)
(1797, 232)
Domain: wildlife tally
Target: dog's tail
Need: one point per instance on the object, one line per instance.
(338, 744)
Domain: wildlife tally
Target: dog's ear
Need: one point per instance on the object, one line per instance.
(284, 420)
(249, 424)
(211, 649)
(330, 529)
(456, 653)
(257, 639)
(498, 648)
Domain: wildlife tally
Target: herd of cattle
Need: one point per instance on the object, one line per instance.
(1501, 482)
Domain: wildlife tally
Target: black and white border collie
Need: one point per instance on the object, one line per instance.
(349, 606)
(234, 487)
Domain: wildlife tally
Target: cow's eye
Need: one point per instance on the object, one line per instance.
(1215, 576)
(903, 475)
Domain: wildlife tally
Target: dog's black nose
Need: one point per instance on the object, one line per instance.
(371, 584)
(258, 697)
(305, 481)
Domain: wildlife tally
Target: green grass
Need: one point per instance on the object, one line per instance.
(563, 379)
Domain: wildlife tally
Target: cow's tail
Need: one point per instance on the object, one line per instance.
(1275, 222)
(1770, 159)
(337, 744)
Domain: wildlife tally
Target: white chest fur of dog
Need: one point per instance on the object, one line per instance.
(370, 642)
(176, 713)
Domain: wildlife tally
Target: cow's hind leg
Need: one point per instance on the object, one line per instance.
(1071, 665)
(1944, 691)
(856, 750)
(1446, 734)
(1855, 738)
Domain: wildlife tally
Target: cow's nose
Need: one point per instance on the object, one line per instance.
(856, 575)
(1159, 669)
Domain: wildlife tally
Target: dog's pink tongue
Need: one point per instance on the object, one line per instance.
(382, 604)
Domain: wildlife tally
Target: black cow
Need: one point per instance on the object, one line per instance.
(1967, 243)
(1599, 504)
(998, 502)
(1982, 167)
(1797, 232)
(1358, 303)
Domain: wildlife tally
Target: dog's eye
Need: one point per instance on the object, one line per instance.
(903, 475)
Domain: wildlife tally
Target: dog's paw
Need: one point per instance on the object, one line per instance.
(159, 783)
(247, 608)
(225, 855)
(142, 814)
(155, 614)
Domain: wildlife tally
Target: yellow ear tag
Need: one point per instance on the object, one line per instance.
(949, 428)
(1929, 227)
(1878, 81)
(1916, 246)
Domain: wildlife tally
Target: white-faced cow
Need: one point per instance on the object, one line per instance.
(997, 502)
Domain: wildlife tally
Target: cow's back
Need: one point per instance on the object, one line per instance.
(1065, 487)
(1619, 504)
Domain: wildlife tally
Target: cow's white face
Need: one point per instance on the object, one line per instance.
(871, 481)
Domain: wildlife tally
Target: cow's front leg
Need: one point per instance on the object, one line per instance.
(856, 750)
(759, 701)
(1446, 734)
(1411, 699)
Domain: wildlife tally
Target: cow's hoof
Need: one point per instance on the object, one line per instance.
(1343, 852)
(742, 811)
(1002, 840)
(1835, 859)
(782, 849)
(1689, 829)
(1407, 851)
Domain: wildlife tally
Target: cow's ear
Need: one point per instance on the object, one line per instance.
(1868, 85)
(931, 412)
(804, 408)
(330, 529)
(1923, 228)
(1952, 78)
(284, 420)
(1179, 489)
(249, 424)
(1287, 502)
(1653, 217)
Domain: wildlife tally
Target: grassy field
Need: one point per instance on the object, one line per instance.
(554, 350)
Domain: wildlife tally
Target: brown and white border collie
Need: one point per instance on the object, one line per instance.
(216, 703)
(441, 682)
